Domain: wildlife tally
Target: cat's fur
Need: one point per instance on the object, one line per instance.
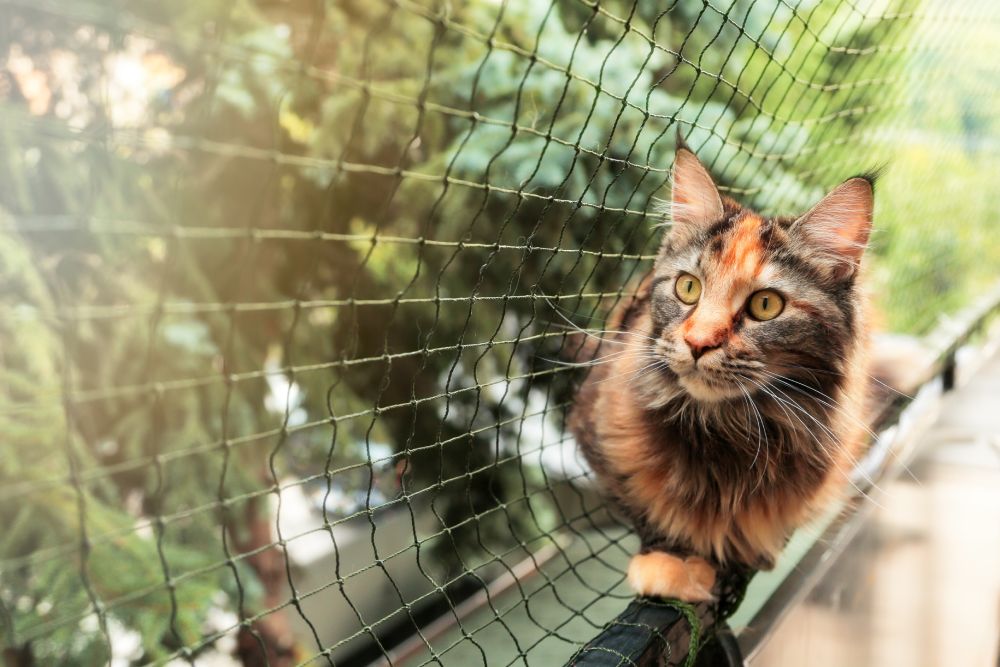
(717, 434)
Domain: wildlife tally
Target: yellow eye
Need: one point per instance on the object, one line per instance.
(765, 305)
(688, 288)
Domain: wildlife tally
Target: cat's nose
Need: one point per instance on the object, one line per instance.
(699, 344)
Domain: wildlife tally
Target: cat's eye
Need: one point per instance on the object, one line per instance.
(687, 288)
(765, 305)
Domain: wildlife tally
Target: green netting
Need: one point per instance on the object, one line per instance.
(283, 287)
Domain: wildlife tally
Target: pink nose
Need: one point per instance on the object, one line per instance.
(702, 342)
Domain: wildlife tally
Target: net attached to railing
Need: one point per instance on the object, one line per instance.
(284, 287)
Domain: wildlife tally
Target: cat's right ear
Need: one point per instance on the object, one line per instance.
(695, 203)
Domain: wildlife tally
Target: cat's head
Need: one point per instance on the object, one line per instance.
(739, 299)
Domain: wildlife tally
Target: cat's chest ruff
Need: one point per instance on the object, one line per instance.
(688, 500)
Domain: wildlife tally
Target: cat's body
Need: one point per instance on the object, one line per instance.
(715, 431)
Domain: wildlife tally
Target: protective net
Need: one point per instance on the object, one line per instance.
(285, 286)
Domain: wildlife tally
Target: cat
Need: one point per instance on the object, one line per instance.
(723, 407)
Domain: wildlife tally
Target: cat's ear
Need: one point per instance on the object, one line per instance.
(694, 200)
(837, 228)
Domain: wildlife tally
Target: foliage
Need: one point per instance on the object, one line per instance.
(289, 158)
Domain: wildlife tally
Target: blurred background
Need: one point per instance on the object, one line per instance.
(284, 283)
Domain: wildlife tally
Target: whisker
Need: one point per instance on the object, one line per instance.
(854, 462)
(614, 332)
(605, 359)
(831, 372)
(635, 374)
(571, 323)
(794, 404)
(761, 435)
(557, 307)
(836, 406)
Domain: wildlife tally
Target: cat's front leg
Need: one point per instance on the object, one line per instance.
(659, 574)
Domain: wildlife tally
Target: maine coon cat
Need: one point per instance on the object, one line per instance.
(724, 405)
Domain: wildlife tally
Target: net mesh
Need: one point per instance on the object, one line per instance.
(285, 287)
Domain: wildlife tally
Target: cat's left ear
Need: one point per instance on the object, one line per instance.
(837, 228)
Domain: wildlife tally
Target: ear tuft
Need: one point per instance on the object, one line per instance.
(837, 228)
(873, 175)
(694, 200)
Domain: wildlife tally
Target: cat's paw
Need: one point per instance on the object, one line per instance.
(659, 574)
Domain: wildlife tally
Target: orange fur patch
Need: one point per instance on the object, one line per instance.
(744, 252)
(659, 574)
